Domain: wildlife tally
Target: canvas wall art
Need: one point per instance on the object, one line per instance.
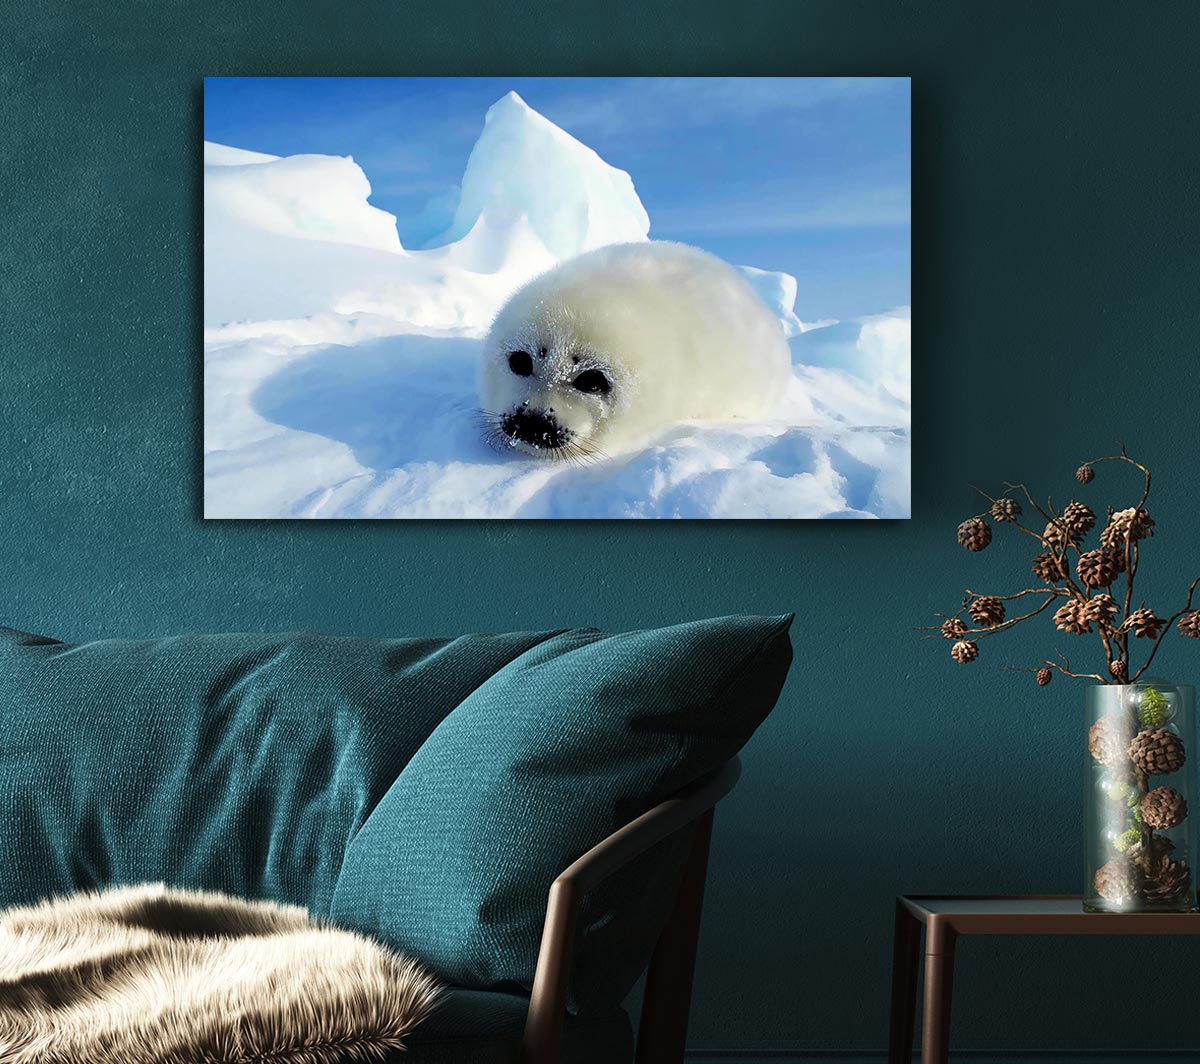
(557, 298)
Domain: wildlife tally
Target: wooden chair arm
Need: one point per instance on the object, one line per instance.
(542, 1041)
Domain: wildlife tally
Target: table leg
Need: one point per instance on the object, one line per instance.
(905, 956)
(939, 981)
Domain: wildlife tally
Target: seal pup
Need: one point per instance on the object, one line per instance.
(609, 348)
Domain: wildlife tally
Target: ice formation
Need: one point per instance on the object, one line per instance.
(526, 174)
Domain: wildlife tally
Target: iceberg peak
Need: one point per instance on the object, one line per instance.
(510, 103)
(524, 171)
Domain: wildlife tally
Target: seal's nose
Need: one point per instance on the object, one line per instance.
(536, 428)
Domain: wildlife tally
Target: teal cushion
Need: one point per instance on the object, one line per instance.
(565, 744)
(242, 763)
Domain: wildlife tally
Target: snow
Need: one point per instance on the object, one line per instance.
(306, 197)
(778, 291)
(340, 367)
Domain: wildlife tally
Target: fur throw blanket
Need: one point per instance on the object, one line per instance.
(147, 975)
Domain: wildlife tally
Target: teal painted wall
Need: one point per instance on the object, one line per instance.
(1055, 281)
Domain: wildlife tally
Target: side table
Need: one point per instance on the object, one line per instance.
(945, 918)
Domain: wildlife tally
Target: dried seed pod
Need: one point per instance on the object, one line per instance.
(1006, 510)
(1109, 738)
(1044, 676)
(1078, 519)
(1144, 623)
(1099, 568)
(953, 628)
(1160, 846)
(974, 533)
(1100, 608)
(1055, 537)
(1164, 808)
(987, 611)
(1126, 526)
(1163, 879)
(964, 651)
(1118, 879)
(1048, 567)
(1157, 752)
(1072, 618)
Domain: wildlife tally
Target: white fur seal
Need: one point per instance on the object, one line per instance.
(606, 349)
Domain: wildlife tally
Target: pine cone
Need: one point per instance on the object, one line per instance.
(1109, 737)
(1141, 526)
(1056, 537)
(1048, 568)
(1157, 751)
(1124, 526)
(1189, 624)
(1072, 618)
(1160, 846)
(1118, 879)
(1044, 676)
(1006, 510)
(1085, 474)
(953, 628)
(987, 611)
(964, 651)
(974, 533)
(1098, 568)
(1164, 808)
(1118, 669)
(1144, 623)
(1100, 608)
(1078, 519)
(1165, 880)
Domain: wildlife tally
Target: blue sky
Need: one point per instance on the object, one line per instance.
(806, 175)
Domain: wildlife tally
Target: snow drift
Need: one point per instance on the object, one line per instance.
(340, 366)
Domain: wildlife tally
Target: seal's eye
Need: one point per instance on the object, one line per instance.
(520, 363)
(593, 382)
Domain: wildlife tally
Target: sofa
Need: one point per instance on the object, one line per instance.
(527, 813)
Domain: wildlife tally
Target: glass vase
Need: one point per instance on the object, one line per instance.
(1140, 838)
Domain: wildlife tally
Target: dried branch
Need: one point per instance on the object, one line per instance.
(1052, 594)
(1065, 669)
(1131, 547)
(969, 596)
(1060, 550)
(1187, 606)
(1029, 498)
(1123, 457)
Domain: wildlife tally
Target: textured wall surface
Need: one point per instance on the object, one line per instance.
(1056, 292)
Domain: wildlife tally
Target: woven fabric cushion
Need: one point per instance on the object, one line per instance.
(565, 744)
(240, 763)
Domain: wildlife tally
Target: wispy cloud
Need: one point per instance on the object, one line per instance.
(882, 207)
(627, 104)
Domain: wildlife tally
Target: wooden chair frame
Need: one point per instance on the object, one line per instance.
(662, 1033)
